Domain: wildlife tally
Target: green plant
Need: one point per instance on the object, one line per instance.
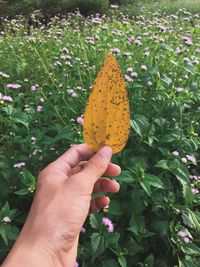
(89, 6)
(45, 79)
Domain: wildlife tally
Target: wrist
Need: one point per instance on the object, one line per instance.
(32, 252)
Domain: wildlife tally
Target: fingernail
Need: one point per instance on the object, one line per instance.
(106, 152)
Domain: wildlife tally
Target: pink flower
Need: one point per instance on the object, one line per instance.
(65, 49)
(7, 98)
(6, 219)
(184, 160)
(181, 234)
(115, 50)
(175, 153)
(83, 230)
(130, 69)
(80, 120)
(146, 54)
(96, 20)
(191, 158)
(179, 89)
(186, 240)
(114, 6)
(13, 85)
(39, 108)
(33, 88)
(187, 41)
(128, 79)
(4, 75)
(137, 42)
(108, 223)
(195, 191)
(143, 67)
(74, 94)
(76, 264)
(19, 165)
(134, 74)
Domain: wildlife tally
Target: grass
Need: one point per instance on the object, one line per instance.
(163, 6)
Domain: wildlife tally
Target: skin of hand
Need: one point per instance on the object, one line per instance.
(61, 204)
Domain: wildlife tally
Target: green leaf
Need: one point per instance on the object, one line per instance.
(8, 109)
(114, 238)
(154, 180)
(3, 234)
(28, 179)
(115, 208)
(20, 117)
(186, 263)
(168, 138)
(183, 176)
(151, 180)
(163, 164)
(122, 261)
(136, 223)
(125, 176)
(191, 249)
(167, 80)
(110, 263)
(22, 192)
(95, 219)
(192, 219)
(146, 186)
(99, 244)
(149, 261)
(140, 124)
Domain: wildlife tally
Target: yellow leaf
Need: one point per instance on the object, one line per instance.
(107, 114)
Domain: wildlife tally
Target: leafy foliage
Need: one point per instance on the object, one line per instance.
(45, 77)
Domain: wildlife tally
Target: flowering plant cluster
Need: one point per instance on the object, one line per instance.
(46, 74)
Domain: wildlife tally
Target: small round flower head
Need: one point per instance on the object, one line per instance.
(114, 6)
(7, 98)
(83, 230)
(39, 108)
(130, 69)
(143, 67)
(175, 153)
(186, 240)
(6, 219)
(128, 79)
(4, 75)
(13, 85)
(80, 120)
(191, 158)
(108, 223)
(195, 191)
(76, 264)
(19, 165)
(115, 50)
(184, 160)
(74, 94)
(134, 74)
(33, 88)
(181, 234)
(179, 89)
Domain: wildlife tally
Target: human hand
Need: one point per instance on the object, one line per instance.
(63, 201)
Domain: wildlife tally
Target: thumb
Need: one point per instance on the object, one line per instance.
(96, 166)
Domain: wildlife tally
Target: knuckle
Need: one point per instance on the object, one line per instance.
(45, 173)
(98, 165)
